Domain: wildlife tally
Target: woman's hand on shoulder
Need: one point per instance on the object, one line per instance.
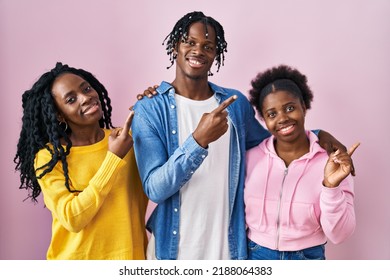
(149, 92)
(328, 142)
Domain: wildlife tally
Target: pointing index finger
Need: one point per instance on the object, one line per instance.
(127, 125)
(225, 104)
(353, 148)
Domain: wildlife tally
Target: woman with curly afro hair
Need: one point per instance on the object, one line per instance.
(296, 196)
(69, 150)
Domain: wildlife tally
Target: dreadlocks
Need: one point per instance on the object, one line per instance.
(40, 127)
(179, 33)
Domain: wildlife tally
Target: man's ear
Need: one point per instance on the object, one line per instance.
(174, 51)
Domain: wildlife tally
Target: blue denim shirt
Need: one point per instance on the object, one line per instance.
(165, 167)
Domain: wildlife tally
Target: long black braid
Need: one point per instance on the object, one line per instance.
(180, 32)
(40, 127)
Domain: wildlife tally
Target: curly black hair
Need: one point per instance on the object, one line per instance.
(40, 127)
(179, 33)
(282, 77)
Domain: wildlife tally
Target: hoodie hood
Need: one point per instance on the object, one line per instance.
(268, 146)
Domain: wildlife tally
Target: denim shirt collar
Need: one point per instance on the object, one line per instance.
(165, 88)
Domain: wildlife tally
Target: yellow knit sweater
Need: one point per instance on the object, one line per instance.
(106, 219)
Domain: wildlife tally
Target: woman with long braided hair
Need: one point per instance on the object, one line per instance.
(70, 151)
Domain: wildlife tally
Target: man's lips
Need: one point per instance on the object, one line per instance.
(195, 62)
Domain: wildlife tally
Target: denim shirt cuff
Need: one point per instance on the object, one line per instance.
(196, 152)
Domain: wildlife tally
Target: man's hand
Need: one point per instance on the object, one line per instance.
(338, 167)
(213, 125)
(331, 144)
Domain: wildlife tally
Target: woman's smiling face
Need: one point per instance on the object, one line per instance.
(284, 115)
(76, 101)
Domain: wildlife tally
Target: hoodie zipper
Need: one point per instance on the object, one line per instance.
(279, 207)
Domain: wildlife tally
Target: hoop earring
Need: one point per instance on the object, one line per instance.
(66, 125)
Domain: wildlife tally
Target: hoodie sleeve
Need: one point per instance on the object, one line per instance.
(337, 211)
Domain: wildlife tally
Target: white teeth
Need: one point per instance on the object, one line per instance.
(195, 62)
(284, 129)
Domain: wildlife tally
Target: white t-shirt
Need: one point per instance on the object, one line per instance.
(204, 208)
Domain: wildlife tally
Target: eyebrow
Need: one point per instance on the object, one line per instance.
(84, 83)
(207, 39)
(284, 106)
(290, 103)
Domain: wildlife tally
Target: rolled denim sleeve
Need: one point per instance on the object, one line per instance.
(163, 169)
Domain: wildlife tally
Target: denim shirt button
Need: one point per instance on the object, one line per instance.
(192, 172)
(203, 156)
(175, 209)
(173, 106)
(174, 232)
(173, 131)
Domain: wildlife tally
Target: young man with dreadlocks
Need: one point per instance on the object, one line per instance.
(195, 134)
(69, 150)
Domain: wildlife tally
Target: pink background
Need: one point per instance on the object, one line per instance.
(342, 46)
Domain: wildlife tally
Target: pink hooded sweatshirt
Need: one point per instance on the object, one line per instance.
(288, 208)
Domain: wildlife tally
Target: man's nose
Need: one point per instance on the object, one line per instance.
(196, 48)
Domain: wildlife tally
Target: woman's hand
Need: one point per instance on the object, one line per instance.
(338, 167)
(328, 142)
(149, 92)
(120, 141)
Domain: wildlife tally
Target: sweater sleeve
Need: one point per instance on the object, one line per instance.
(74, 210)
(337, 211)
